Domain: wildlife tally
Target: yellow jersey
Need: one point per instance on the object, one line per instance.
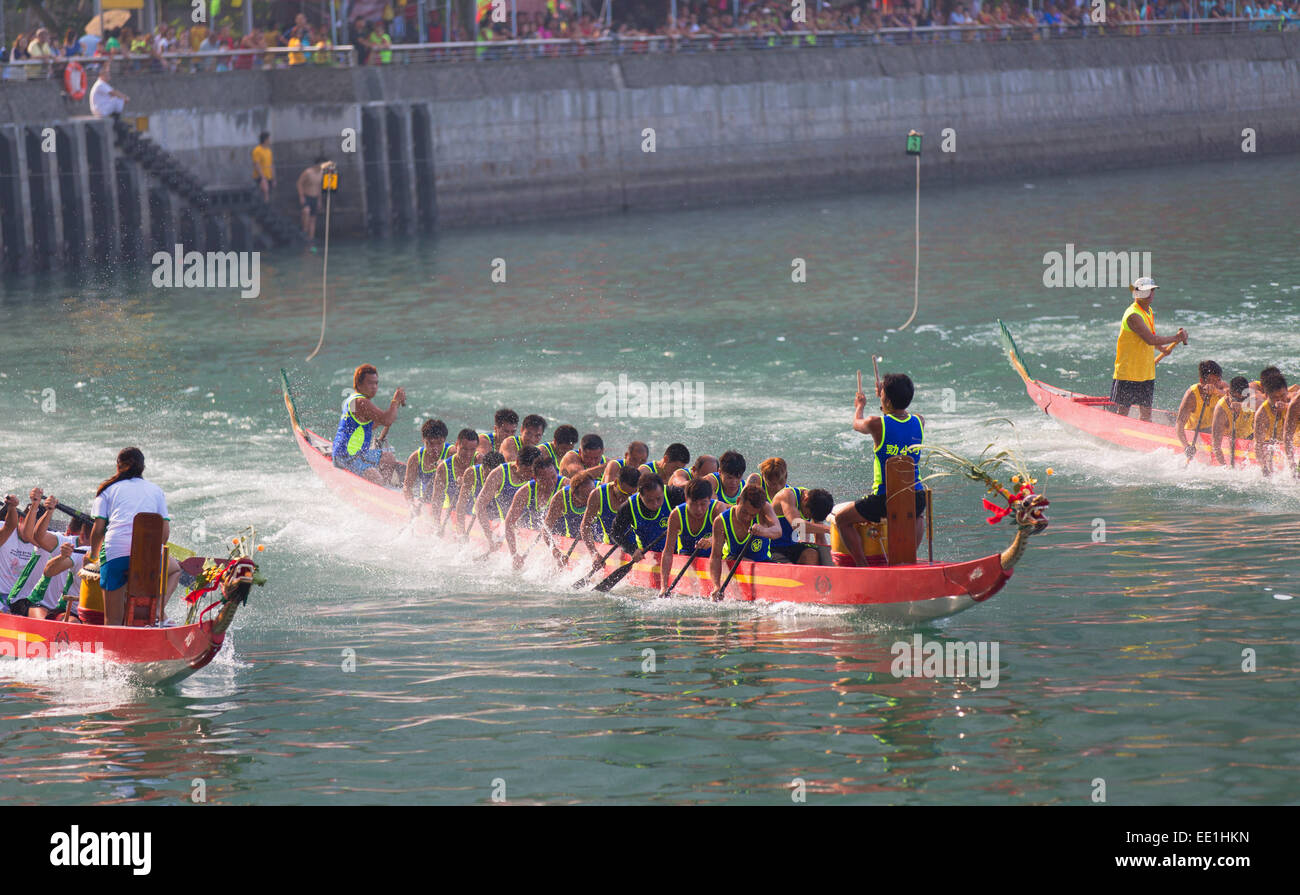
(1243, 422)
(1135, 360)
(262, 163)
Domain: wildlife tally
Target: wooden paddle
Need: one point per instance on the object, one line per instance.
(620, 573)
(1166, 351)
(598, 564)
(689, 563)
(735, 565)
(572, 547)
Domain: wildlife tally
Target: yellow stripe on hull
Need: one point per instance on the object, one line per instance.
(21, 635)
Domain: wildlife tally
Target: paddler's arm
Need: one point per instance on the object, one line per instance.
(624, 535)
(508, 450)
(40, 532)
(517, 507)
(484, 497)
(715, 556)
(463, 498)
(1219, 426)
(58, 563)
(869, 425)
(11, 517)
(1289, 429)
(1139, 327)
(411, 477)
(669, 550)
(96, 539)
(589, 517)
(611, 472)
(1263, 453)
(439, 492)
(368, 412)
(1184, 412)
(765, 524)
(554, 510)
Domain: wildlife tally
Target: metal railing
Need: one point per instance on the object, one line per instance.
(520, 50)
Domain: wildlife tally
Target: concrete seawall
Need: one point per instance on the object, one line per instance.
(473, 144)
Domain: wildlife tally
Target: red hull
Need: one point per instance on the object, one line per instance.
(902, 593)
(151, 655)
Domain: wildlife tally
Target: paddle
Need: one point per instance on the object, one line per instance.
(1166, 351)
(698, 546)
(620, 573)
(572, 547)
(734, 566)
(598, 564)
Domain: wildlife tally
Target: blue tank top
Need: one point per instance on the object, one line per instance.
(722, 495)
(607, 511)
(353, 436)
(687, 539)
(758, 549)
(506, 495)
(424, 476)
(570, 521)
(453, 484)
(649, 530)
(898, 438)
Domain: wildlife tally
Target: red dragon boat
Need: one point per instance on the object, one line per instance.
(153, 656)
(1094, 417)
(908, 593)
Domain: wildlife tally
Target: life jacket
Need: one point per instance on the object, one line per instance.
(1135, 361)
(353, 436)
(758, 549)
(687, 539)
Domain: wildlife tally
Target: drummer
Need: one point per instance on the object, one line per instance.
(354, 448)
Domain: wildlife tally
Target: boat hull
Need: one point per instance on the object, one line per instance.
(149, 655)
(904, 594)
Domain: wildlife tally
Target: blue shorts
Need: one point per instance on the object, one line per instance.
(359, 462)
(112, 574)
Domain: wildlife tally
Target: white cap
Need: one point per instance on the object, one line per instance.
(1144, 284)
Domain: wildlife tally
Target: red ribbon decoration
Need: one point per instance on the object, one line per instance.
(1000, 513)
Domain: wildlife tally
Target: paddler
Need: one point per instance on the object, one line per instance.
(530, 435)
(499, 489)
(729, 480)
(1271, 417)
(446, 482)
(1135, 361)
(895, 433)
(1232, 420)
(805, 539)
(589, 457)
(744, 531)
(117, 501)
(561, 443)
(1290, 427)
(1196, 409)
(422, 465)
(642, 523)
(569, 504)
(15, 552)
(676, 456)
(353, 442)
(471, 486)
(603, 505)
(527, 507)
(60, 559)
(636, 454)
(690, 527)
(504, 425)
(772, 475)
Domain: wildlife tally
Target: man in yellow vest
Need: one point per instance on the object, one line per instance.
(1196, 412)
(1135, 361)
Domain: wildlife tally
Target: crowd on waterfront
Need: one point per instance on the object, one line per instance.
(304, 42)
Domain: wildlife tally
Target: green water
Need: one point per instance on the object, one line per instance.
(1119, 659)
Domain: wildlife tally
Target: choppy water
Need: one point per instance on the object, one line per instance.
(1119, 659)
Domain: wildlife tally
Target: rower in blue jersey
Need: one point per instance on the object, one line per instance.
(744, 532)
(530, 434)
(590, 456)
(637, 453)
(801, 513)
(354, 448)
(603, 505)
(730, 478)
(676, 456)
(446, 482)
(504, 425)
(690, 527)
(565, 511)
(564, 440)
(499, 489)
(772, 475)
(704, 465)
(422, 465)
(471, 487)
(896, 433)
(529, 504)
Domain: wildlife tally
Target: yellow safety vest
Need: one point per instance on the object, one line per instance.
(1135, 360)
(1199, 412)
(1245, 421)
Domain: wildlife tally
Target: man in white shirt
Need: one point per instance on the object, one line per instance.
(58, 559)
(104, 100)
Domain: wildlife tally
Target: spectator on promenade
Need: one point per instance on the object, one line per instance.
(300, 24)
(357, 36)
(104, 100)
(264, 166)
(19, 51)
(381, 44)
(88, 44)
(40, 46)
(320, 41)
(71, 46)
(245, 60)
(296, 43)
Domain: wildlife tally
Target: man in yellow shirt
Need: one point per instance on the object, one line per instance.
(1135, 361)
(263, 165)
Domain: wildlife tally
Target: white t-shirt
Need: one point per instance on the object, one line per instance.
(14, 555)
(101, 96)
(118, 505)
(55, 590)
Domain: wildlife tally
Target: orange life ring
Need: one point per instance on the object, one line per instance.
(74, 80)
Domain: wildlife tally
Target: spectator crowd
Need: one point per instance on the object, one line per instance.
(306, 43)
